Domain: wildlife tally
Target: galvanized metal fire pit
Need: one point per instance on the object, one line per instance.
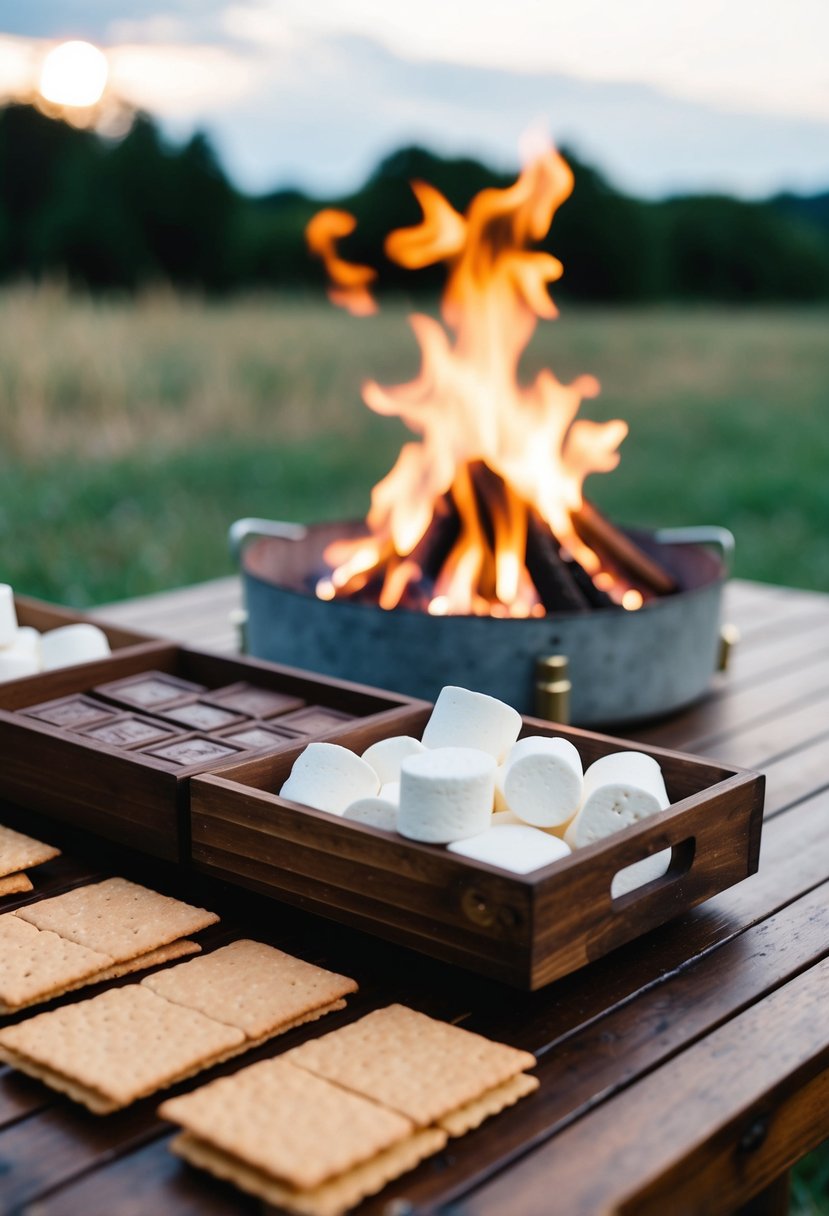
(623, 666)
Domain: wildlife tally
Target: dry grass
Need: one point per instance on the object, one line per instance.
(142, 428)
(107, 378)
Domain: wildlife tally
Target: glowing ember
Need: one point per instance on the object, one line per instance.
(497, 454)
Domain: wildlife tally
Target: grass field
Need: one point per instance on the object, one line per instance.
(133, 433)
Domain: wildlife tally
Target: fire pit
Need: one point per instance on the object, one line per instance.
(481, 554)
(623, 666)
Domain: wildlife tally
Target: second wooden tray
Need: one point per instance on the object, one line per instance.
(526, 930)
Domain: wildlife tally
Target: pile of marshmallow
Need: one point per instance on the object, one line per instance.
(25, 652)
(472, 785)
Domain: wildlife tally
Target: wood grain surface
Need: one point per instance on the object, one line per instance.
(684, 1072)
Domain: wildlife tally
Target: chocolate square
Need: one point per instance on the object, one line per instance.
(198, 715)
(253, 701)
(193, 751)
(151, 690)
(258, 737)
(131, 731)
(315, 719)
(71, 713)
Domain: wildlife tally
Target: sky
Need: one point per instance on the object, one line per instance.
(663, 95)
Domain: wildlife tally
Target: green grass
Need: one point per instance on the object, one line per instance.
(132, 434)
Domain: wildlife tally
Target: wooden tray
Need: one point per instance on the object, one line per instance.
(129, 796)
(526, 930)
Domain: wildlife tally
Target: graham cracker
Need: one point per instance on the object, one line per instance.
(251, 985)
(15, 884)
(153, 958)
(117, 1047)
(332, 1198)
(296, 1128)
(19, 852)
(117, 917)
(35, 964)
(411, 1063)
(466, 1118)
(51, 988)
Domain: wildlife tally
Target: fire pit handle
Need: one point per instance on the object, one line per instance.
(244, 530)
(704, 534)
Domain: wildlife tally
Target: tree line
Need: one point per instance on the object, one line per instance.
(119, 215)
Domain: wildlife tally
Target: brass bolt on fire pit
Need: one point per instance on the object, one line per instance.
(729, 637)
(553, 688)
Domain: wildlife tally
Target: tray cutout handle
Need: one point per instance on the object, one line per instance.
(703, 862)
(681, 861)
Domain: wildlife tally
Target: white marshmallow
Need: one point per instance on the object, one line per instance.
(386, 755)
(390, 792)
(503, 817)
(17, 661)
(446, 794)
(619, 790)
(374, 811)
(607, 810)
(513, 847)
(462, 718)
(543, 781)
(640, 873)
(329, 778)
(71, 644)
(8, 615)
(27, 639)
(627, 768)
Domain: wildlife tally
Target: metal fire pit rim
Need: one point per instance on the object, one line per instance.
(300, 531)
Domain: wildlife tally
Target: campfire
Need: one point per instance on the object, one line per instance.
(484, 513)
(481, 562)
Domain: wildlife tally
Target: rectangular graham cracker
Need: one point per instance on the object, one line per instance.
(48, 963)
(153, 958)
(466, 1118)
(15, 884)
(109, 1051)
(331, 1198)
(298, 1129)
(19, 852)
(35, 964)
(410, 1063)
(253, 986)
(117, 917)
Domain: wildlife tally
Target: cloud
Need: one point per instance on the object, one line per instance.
(94, 19)
(323, 110)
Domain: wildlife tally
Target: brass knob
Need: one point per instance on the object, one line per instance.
(553, 688)
(729, 637)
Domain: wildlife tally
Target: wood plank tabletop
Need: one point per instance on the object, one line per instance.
(683, 1073)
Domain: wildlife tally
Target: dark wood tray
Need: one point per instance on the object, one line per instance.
(526, 930)
(126, 795)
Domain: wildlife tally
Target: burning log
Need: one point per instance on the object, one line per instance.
(619, 551)
(554, 581)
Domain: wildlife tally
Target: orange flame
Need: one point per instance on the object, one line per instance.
(468, 407)
(350, 281)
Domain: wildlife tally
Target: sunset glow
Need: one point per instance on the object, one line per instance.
(74, 75)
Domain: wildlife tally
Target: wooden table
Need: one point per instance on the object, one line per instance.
(684, 1073)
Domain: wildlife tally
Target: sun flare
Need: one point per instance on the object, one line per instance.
(74, 74)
